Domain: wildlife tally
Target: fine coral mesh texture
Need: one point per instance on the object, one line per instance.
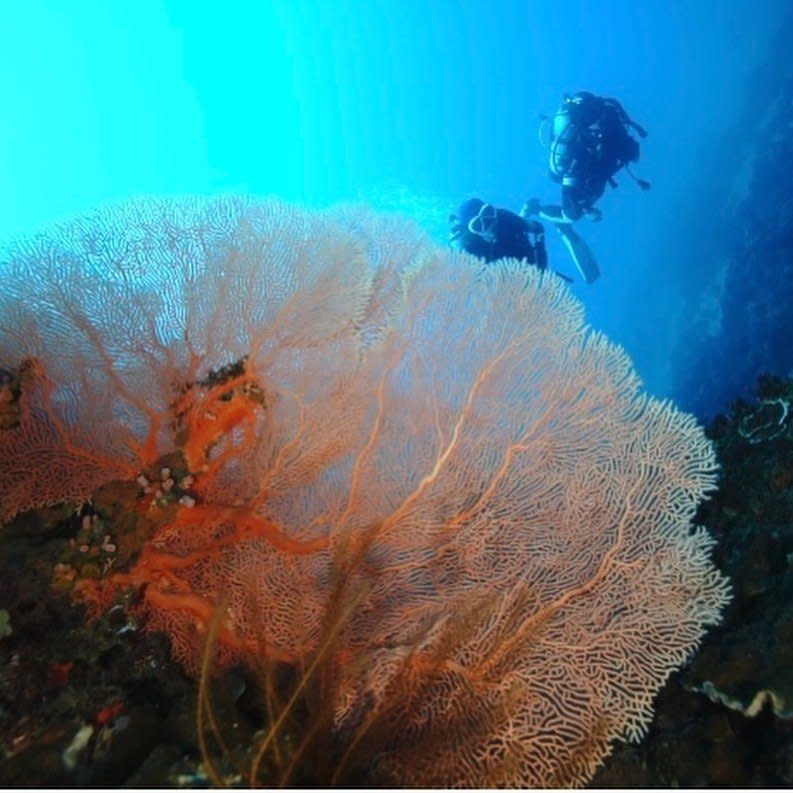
(451, 441)
(126, 306)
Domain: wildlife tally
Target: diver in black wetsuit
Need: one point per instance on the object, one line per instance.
(490, 233)
(590, 143)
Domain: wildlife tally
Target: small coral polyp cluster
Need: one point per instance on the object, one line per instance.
(425, 485)
(195, 515)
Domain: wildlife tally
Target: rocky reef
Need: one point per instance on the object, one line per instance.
(727, 719)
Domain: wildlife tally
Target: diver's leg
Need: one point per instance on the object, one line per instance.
(554, 213)
(568, 212)
(572, 207)
(550, 212)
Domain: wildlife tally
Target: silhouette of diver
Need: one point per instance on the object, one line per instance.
(590, 142)
(490, 233)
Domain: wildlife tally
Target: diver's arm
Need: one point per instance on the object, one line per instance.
(617, 105)
(554, 214)
(626, 119)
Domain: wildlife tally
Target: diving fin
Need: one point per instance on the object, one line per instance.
(579, 252)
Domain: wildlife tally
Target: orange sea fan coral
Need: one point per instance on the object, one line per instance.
(360, 409)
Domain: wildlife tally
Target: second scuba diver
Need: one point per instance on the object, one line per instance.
(590, 142)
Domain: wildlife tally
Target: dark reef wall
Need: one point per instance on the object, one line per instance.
(738, 321)
(726, 720)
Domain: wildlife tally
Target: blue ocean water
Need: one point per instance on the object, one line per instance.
(407, 105)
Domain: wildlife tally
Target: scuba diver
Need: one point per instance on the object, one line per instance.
(589, 144)
(489, 233)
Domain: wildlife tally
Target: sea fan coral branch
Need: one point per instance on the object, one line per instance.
(424, 484)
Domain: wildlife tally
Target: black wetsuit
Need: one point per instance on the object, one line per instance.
(514, 238)
(591, 143)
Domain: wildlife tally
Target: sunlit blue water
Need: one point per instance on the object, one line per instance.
(406, 104)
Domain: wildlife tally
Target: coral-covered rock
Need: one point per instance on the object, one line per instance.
(748, 666)
(726, 718)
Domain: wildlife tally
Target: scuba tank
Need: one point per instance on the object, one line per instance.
(572, 136)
